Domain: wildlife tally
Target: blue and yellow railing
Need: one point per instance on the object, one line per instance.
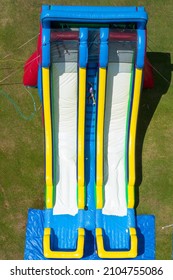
(78, 253)
(102, 253)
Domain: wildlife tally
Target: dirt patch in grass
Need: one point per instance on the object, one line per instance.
(5, 201)
(8, 146)
(20, 223)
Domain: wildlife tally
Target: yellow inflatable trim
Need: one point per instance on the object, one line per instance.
(48, 136)
(100, 138)
(81, 138)
(102, 253)
(77, 254)
(132, 137)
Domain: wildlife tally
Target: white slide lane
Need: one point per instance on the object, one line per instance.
(116, 110)
(65, 95)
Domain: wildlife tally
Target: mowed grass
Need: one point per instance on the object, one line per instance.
(22, 141)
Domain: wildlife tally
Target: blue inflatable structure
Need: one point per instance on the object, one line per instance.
(89, 73)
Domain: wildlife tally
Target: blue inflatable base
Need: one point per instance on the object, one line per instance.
(34, 238)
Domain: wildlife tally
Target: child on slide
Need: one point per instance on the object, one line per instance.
(91, 94)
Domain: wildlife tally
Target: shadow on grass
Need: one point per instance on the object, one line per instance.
(150, 99)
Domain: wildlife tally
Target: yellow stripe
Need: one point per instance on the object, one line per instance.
(48, 136)
(81, 138)
(102, 253)
(100, 138)
(77, 254)
(132, 137)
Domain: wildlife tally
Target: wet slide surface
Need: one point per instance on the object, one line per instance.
(118, 93)
(66, 217)
(114, 216)
(64, 107)
(65, 95)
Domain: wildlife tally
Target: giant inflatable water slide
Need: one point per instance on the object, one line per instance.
(88, 68)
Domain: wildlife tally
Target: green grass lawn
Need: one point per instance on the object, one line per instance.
(22, 140)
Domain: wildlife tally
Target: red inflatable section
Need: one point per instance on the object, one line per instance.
(30, 77)
(31, 70)
(148, 74)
